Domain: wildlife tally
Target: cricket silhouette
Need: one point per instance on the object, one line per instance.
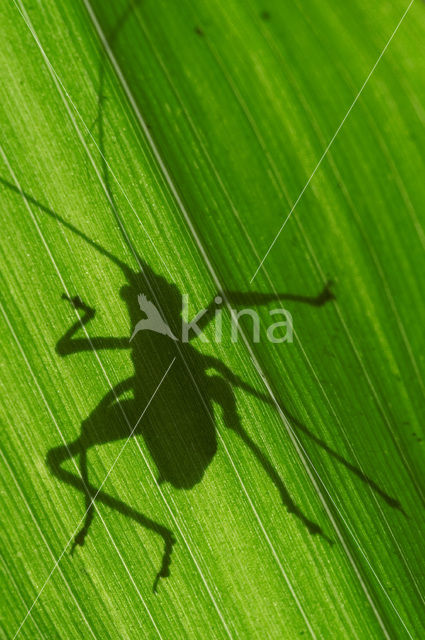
(180, 429)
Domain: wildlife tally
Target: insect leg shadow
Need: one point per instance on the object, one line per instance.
(79, 447)
(223, 395)
(222, 392)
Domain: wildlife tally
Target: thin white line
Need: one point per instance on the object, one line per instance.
(332, 140)
(48, 547)
(13, 581)
(98, 490)
(201, 249)
(280, 187)
(159, 159)
(115, 395)
(58, 85)
(58, 82)
(220, 288)
(120, 75)
(204, 256)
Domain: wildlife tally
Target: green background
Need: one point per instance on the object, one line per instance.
(239, 99)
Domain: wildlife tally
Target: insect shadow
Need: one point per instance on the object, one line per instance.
(179, 429)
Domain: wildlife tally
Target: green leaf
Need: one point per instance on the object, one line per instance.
(226, 486)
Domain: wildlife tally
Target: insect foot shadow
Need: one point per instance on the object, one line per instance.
(179, 430)
(226, 399)
(57, 456)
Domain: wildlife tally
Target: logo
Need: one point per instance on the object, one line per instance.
(153, 321)
(276, 332)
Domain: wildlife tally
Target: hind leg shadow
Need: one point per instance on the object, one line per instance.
(57, 456)
(223, 395)
(89, 503)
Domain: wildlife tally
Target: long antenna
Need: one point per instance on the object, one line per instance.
(122, 265)
(132, 6)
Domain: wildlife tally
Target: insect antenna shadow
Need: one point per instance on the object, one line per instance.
(220, 391)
